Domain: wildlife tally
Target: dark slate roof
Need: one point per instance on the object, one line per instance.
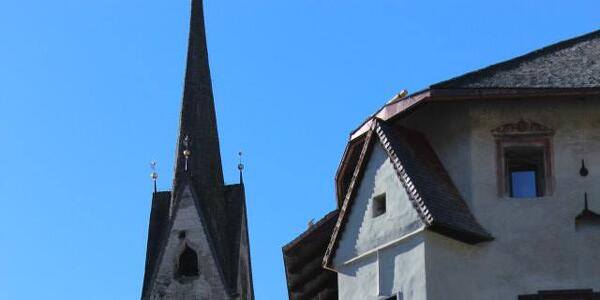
(306, 277)
(231, 228)
(430, 188)
(440, 201)
(564, 70)
(574, 63)
(159, 221)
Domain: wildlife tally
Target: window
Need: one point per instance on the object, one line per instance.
(525, 172)
(524, 159)
(379, 205)
(188, 263)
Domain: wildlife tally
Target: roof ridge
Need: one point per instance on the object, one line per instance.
(507, 64)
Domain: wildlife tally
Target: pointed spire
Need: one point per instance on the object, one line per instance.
(198, 125)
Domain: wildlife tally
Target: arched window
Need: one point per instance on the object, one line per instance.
(188, 263)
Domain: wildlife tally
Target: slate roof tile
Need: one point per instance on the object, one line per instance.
(573, 63)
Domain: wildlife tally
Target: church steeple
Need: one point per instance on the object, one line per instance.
(198, 120)
(202, 217)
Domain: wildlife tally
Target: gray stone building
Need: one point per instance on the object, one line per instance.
(198, 245)
(483, 186)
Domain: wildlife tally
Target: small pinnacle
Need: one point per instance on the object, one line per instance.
(241, 168)
(154, 174)
(240, 165)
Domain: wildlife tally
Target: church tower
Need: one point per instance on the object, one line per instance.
(198, 245)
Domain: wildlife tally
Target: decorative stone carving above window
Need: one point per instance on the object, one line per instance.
(522, 127)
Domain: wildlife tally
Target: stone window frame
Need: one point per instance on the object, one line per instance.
(524, 134)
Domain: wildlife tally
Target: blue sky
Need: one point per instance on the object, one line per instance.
(90, 93)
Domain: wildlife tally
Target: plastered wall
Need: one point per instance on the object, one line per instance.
(537, 246)
(398, 264)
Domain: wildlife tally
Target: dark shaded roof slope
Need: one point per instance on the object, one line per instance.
(306, 277)
(235, 200)
(159, 220)
(574, 63)
(429, 187)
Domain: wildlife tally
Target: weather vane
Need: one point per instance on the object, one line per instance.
(187, 152)
(154, 174)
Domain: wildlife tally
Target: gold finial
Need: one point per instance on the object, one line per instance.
(154, 174)
(186, 152)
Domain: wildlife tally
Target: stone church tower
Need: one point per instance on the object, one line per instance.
(198, 244)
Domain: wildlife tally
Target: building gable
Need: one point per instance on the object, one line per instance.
(365, 230)
(187, 233)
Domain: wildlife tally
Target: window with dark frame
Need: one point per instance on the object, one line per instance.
(379, 205)
(525, 171)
